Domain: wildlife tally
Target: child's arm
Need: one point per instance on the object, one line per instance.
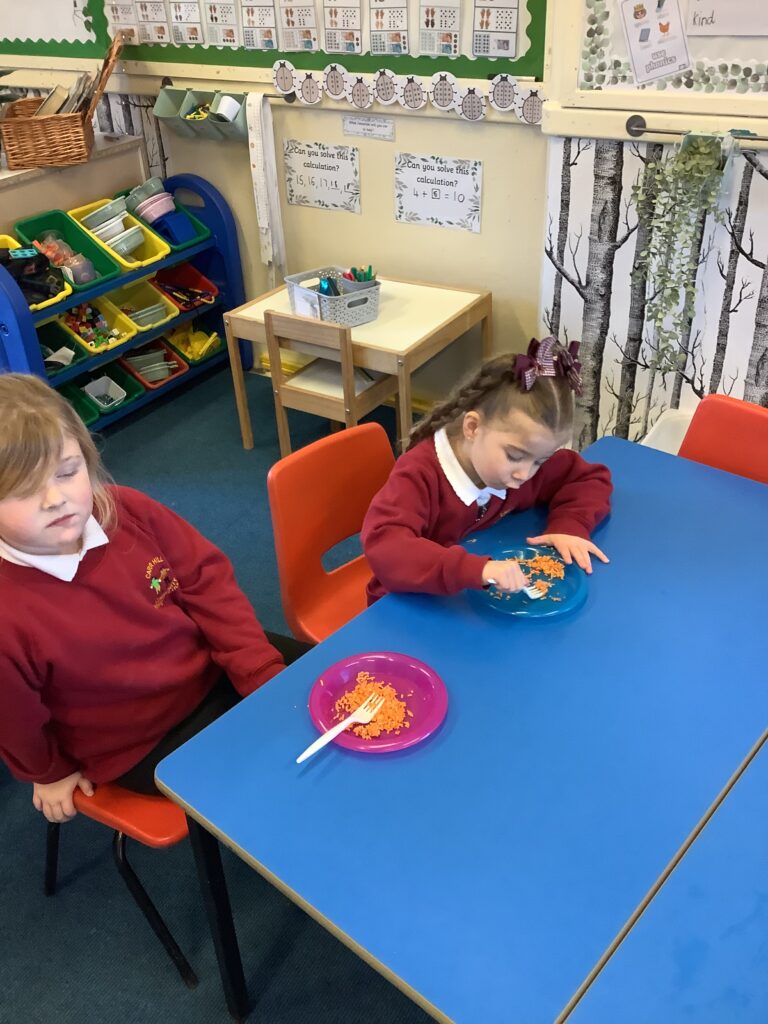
(578, 494)
(400, 555)
(55, 799)
(209, 594)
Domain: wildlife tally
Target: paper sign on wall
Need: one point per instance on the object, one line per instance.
(343, 26)
(389, 26)
(298, 27)
(186, 21)
(727, 18)
(656, 39)
(221, 25)
(438, 190)
(494, 30)
(259, 25)
(327, 177)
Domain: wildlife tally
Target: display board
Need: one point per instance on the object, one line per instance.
(474, 39)
(705, 60)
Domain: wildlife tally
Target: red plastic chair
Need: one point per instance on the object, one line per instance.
(318, 497)
(729, 434)
(151, 820)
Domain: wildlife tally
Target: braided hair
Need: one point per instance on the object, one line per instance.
(494, 390)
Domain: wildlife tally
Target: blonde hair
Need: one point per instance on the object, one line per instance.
(494, 390)
(34, 422)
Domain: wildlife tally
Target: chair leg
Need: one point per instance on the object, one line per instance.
(51, 857)
(149, 911)
(283, 434)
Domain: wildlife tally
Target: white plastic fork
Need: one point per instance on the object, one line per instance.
(533, 592)
(360, 716)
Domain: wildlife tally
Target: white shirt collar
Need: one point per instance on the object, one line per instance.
(456, 476)
(63, 567)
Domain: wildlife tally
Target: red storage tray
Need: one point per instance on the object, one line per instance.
(186, 276)
(168, 353)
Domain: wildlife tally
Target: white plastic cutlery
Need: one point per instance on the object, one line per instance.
(533, 592)
(360, 716)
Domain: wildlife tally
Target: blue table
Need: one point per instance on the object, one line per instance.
(576, 758)
(699, 953)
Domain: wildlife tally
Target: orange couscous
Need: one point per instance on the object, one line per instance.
(393, 716)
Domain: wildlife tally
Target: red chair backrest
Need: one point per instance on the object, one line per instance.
(729, 434)
(318, 496)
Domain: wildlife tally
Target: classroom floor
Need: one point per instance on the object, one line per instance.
(87, 956)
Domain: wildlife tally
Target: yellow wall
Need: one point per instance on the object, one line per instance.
(504, 257)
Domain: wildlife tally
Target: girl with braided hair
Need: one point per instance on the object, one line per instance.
(493, 447)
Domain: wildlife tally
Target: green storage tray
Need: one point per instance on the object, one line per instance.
(54, 337)
(87, 410)
(202, 232)
(56, 220)
(132, 388)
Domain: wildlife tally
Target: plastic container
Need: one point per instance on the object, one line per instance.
(53, 336)
(162, 352)
(201, 232)
(228, 113)
(133, 388)
(352, 308)
(110, 228)
(8, 242)
(114, 319)
(128, 241)
(190, 337)
(187, 276)
(176, 228)
(85, 408)
(141, 296)
(166, 110)
(141, 193)
(151, 249)
(102, 216)
(77, 237)
(204, 127)
(105, 393)
(156, 206)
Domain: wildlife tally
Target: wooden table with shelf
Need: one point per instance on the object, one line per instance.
(416, 321)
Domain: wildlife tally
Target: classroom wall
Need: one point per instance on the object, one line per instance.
(504, 257)
(587, 274)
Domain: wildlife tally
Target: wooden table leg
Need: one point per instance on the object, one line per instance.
(405, 411)
(210, 873)
(238, 380)
(486, 336)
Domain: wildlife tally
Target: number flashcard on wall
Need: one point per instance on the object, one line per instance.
(439, 28)
(389, 27)
(221, 25)
(343, 27)
(298, 27)
(656, 38)
(494, 30)
(186, 21)
(122, 18)
(259, 25)
(153, 21)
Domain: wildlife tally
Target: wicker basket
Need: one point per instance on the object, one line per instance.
(58, 140)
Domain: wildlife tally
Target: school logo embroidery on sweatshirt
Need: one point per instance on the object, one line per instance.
(162, 582)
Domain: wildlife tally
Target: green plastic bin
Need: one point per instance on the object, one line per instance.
(202, 233)
(57, 220)
(133, 389)
(54, 337)
(86, 409)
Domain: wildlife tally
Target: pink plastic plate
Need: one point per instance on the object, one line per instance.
(423, 691)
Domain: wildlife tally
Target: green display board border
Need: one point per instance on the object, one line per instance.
(529, 65)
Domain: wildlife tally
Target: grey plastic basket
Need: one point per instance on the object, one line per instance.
(358, 304)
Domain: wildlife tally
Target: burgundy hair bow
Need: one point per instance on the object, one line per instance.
(546, 358)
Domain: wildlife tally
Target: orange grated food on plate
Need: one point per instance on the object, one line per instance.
(391, 717)
(553, 568)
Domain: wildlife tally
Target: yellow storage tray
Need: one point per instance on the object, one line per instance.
(8, 242)
(140, 295)
(152, 249)
(114, 318)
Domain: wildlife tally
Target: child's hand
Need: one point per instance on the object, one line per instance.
(506, 576)
(54, 799)
(571, 549)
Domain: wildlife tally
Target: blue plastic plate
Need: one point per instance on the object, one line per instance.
(563, 597)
